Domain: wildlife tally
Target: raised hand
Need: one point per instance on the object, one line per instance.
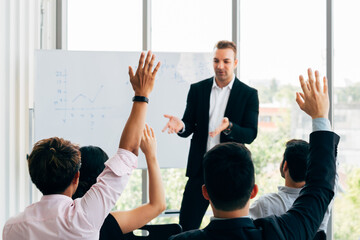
(315, 99)
(148, 143)
(174, 125)
(223, 125)
(144, 78)
(142, 83)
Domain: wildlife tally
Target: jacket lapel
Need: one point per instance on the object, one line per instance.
(233, 98)
(206, 99)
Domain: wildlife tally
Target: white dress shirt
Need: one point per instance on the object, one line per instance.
(57, 216)
(218, 100)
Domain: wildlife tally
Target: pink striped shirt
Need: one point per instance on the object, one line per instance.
(57, 216)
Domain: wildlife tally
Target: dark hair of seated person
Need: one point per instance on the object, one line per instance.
(92, 164)
(231, 161)
(53, 164)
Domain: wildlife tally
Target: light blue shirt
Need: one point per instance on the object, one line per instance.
(321, 124)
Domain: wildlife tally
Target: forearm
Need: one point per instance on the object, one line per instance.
(138, 217)
(242, 134)
(187, 130)
(156, 188)
(131, 135)
(245, 127)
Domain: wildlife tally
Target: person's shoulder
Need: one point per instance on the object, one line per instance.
(18, 219)
(244, 86)
(270, 227)
(264, 205)
(193, 234)
(274, 196)
(13, 227)
(203, 82)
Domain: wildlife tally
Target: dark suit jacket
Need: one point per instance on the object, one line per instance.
(242, 110)
(303, 219)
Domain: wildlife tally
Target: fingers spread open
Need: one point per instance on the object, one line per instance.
(303, 84)
(147, 130)
(311, 80)
(299, 100)
(152, 132)
(317, 84)
(151, 64)
(325, 88)
(141, 60)
(131, 72)
(156, 68)
(147, 60)
(166, 126)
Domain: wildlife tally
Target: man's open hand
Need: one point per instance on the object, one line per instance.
(315, 99)
(174, 125)
(144, 78)
(223, 125)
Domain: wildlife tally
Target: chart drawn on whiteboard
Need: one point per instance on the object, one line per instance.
(91, 100)
(77, 106)
(86, 97)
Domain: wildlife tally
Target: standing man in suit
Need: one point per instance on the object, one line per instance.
(230, 182)
(219, 109)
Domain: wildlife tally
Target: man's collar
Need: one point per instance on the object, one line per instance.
(230, 85)
(216, 218)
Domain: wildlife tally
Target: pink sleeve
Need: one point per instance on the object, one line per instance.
(96, 204)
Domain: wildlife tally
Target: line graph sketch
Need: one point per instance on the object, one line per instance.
(75, 105)
(91, 100)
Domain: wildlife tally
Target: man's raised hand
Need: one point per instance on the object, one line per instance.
(174, 125)
(143, 80)
(315, 99)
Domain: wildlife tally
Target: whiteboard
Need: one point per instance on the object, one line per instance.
(86, 97)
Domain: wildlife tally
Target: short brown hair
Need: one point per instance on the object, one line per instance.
(223, 44)
(53, 164)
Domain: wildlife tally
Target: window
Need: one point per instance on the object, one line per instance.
(347, 117)
(106, 25)
(275, 48)
(190, 26)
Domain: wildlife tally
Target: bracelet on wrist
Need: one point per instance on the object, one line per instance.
(140, 99)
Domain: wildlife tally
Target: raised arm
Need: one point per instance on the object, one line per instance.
(142, 82)
(304, 217)
(101, 197)
(138, 217)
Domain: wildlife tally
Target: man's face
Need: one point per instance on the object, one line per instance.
(224, 64)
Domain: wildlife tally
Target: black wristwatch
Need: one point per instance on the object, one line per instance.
(227, 131)
(140, 99)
